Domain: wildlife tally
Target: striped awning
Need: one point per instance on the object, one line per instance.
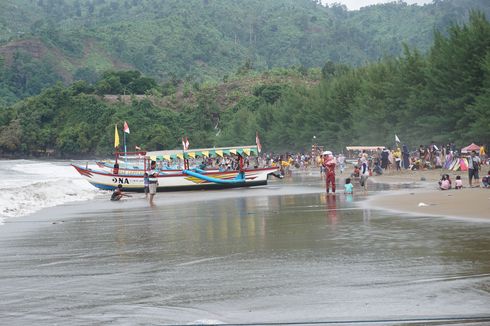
(203, 152)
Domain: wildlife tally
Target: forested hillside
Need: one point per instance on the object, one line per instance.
(45, 41)
(442, 95)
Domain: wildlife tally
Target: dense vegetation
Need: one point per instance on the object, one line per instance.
(45, 41)
(442, 95)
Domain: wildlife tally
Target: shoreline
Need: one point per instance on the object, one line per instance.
(101, 204)
(425, 199)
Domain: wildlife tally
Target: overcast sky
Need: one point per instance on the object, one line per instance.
(356, 4)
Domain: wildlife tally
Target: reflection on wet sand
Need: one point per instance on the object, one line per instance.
(288, 254)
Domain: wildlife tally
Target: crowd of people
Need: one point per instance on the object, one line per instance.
(385, 160)
(364, 164)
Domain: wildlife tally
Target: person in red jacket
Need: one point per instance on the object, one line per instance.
(329, 165)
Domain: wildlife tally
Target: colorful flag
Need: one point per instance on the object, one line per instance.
(397, 139)
(257, 142)
(126, 127)
(185, 143)
(116, 137)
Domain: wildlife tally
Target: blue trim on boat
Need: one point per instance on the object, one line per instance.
(240, 178)
(205, 186)
(102, 186)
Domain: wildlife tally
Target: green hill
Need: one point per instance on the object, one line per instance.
(440, 96)
(44, 41)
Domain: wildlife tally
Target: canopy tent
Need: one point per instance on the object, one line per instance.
(366, 148)
(470, 148)
(203, 152)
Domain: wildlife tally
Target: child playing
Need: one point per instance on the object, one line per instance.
(486, 180)
(117, 194)
(445, 183)
(356, 172)
(348, 187)
(365, 172)
(459, 183)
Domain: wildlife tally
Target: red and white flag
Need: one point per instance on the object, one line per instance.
(126, 127)
(185, 143)
(257, 142)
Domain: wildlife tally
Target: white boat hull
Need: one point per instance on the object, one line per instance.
(174, 182)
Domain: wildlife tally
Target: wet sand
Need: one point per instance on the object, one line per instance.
(284, 253)
(426, 199)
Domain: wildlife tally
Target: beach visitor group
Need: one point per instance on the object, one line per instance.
(381, 160)
(368, 162)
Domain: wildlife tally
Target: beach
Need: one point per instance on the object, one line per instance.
(281, 253)
(424, 197)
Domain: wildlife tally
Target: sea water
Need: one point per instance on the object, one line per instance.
(27, 186)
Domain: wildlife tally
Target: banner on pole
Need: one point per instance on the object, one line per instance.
(116, 137)
(257, 142)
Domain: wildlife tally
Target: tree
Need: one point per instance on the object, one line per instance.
(11, 137)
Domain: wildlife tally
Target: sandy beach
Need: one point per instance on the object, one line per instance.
(424, 197)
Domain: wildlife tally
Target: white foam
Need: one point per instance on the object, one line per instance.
(28, 186)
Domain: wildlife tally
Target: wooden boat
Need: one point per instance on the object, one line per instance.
(185, 180)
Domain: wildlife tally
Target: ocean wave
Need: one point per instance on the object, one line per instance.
(29, 186)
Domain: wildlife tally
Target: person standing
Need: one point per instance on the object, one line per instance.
(473, 168)
(405, 157)
(397, 155)
(153, 184)
(341, 161)
(321, 163)
(364, 173)
(384, 158)
(146, 182)
(329, 166)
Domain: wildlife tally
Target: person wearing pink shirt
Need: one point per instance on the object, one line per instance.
(445, 183)
(458, 183)
(329, 166)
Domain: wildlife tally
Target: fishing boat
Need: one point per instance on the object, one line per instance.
(185, 179)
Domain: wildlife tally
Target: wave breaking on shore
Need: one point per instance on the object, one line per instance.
(29, 186)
